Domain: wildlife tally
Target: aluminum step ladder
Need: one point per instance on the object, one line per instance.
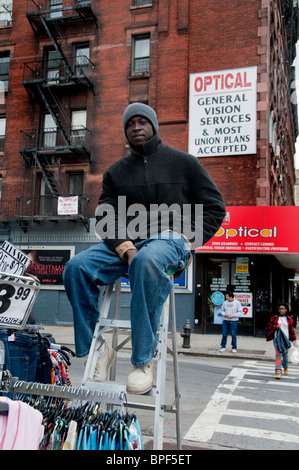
(124, 327)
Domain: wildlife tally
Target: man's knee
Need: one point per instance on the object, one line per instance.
(143, 260)
(72, 266)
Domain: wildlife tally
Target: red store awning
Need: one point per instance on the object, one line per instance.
(259, 230)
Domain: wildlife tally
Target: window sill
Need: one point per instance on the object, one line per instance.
(137, 7)
(141, 74)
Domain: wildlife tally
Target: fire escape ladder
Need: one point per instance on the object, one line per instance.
(38, 144)
(56, 46)
(53, 109)
(48, 176)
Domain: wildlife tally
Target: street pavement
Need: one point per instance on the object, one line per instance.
(249, 348)
(200, 345)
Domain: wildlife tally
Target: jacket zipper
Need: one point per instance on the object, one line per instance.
(146, 176)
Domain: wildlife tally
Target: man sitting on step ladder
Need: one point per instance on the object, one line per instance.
(157, 205)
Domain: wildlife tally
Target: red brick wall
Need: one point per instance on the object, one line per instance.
(186, 37)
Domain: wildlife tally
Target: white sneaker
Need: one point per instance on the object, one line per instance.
(104, 363)
(140, 379)
(222, 349)
(234, 350)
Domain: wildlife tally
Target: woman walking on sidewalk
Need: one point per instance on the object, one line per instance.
(284, 323)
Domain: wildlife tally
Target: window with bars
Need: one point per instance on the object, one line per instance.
(82, 59)
(52, 65)
(55, 7)
(49, 131)
(5, 12)
(141, 54)
(78, 119)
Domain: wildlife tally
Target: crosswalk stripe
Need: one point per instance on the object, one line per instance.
(208, 423)
(257, 433)
(278, 403)
(261, 415)
(281, 383)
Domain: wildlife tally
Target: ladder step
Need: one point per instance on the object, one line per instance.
(113, 323)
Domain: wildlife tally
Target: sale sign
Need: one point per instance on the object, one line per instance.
(17, 296)
(257, 229)
(245, 299)
(67, 205)
(222, 112)
(12, 260)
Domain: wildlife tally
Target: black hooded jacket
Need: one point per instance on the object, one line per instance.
(163, 175)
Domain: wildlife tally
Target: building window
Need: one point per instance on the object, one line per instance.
(6, 12)
(49, 131)
(52, 67)
(79, 127)
(4, 69)
(141, 54)
(55, 7)
(2, 132)
(137, 3)
(75, 187)
(75, 184)
(82, 60)
(45, 199)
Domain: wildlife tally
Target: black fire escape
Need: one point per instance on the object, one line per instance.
(47, 81)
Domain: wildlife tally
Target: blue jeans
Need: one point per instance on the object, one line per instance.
(150, 287)
(281, 358)
(229, 327)
(21, 355)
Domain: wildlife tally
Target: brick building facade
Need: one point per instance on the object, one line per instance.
(70, 68)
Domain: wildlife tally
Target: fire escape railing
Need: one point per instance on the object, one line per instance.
(53, 72)
(53, 10)
(46, 206)
(43, 140)
(44, 79)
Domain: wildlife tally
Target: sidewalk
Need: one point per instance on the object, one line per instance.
(249, 347)
(201, 346)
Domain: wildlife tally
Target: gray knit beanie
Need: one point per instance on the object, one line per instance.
(140, 109)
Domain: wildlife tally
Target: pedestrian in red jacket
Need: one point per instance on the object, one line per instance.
(285, 323)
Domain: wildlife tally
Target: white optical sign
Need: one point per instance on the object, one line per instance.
(222, 112)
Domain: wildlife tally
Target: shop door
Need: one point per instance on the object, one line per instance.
(214, 277)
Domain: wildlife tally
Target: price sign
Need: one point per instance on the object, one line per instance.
(12, 260)
(17, 296)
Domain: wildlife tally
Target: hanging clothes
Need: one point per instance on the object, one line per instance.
(78, 419)
(59, 368)
(110, 431)
(21, 428)
(87, 427)
(32, 358)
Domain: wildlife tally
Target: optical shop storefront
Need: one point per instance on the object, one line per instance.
(255, 254)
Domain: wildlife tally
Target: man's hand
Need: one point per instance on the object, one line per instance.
(130, 255)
